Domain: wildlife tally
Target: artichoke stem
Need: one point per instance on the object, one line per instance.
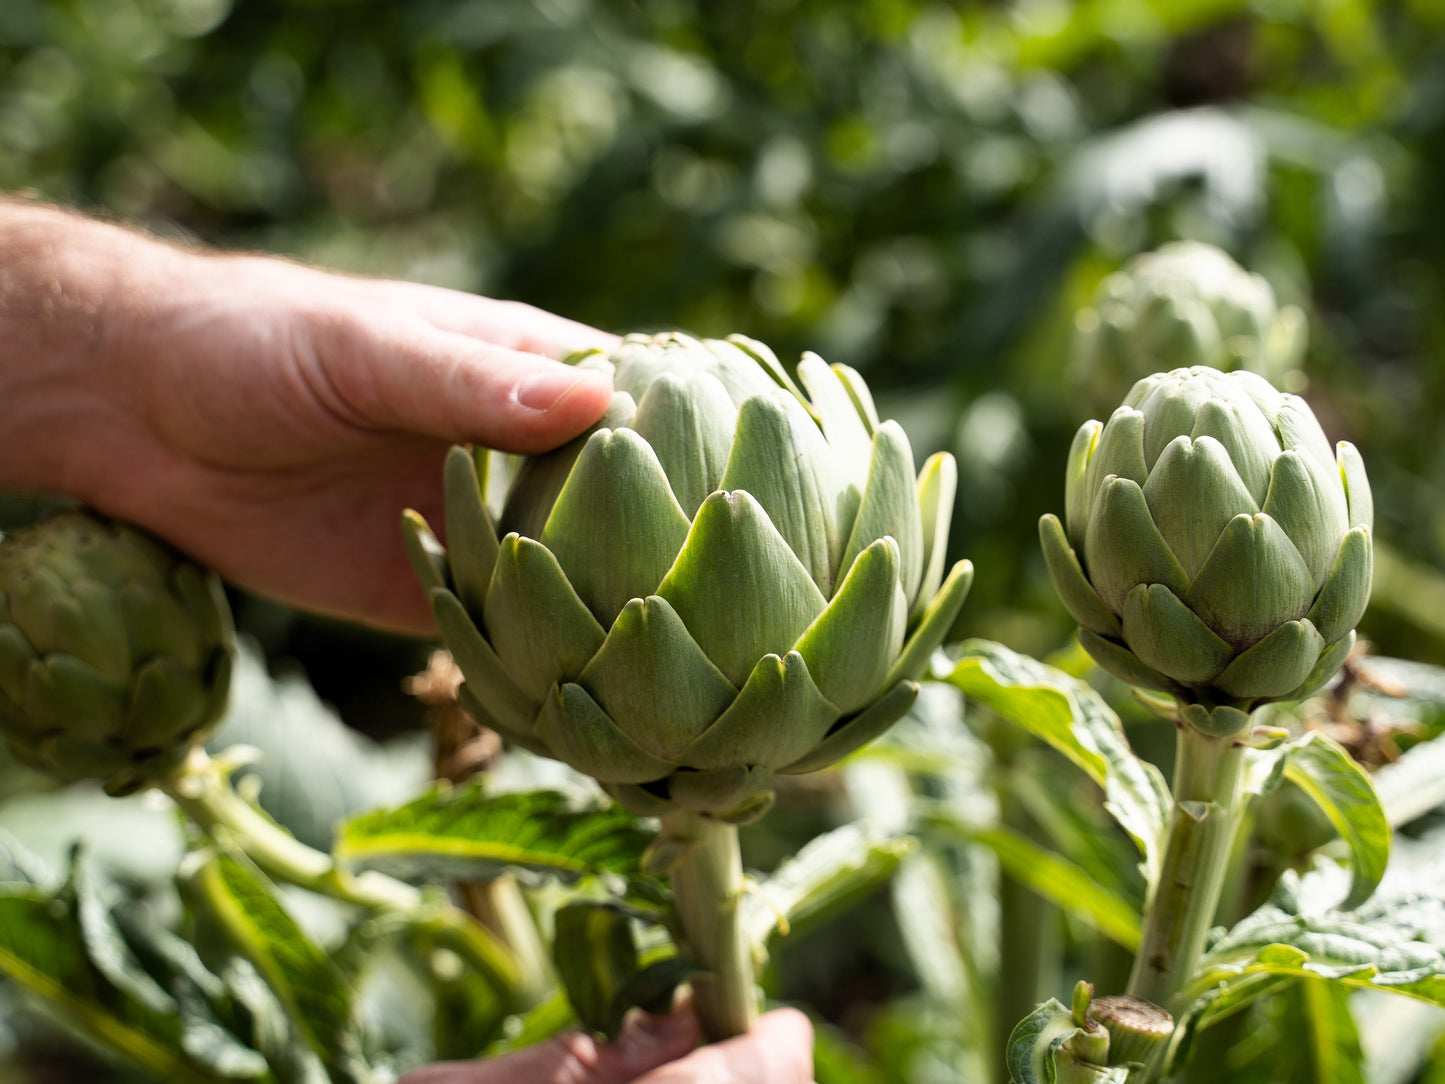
(707, 888)
(500, 906)
(1181, 906)
(204, 793)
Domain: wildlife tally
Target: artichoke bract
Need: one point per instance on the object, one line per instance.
(115, 651)
(1186, 303)
(725, 579)
(1217, 548)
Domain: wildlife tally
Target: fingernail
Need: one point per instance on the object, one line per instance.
(544, 390)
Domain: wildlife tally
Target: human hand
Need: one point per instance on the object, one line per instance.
(651, 1050)
(270, 419)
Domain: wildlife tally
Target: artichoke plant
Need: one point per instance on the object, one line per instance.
(1217, 548)
(1187, 303)
(724, 580)
(115, 652)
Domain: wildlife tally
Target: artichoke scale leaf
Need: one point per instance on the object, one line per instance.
(779, 715)
(1330, 660)
(1168, 637)
(1298, 427)
(1360, 500)
(205, 601)
(638, 800)
(616, 527)
(63, 693)
(858, 391)
(479, 663)
(1118, 450)
(1073, 587)
(576, 730)
(890, 507)
(539, 628)
(168, 702)
(1171, 407)
(737, 369)
(427, 555)
(540, 478)
(1077, 493)
(688, 419)
(1125, 665)
(1308, 502)
(738, 586)
(764, 356)
(33, 600)
(90, 626)
(1253, 581)
(156, 624)
(471, 535)
(654, 681)
(477, 708)
(780, 457)
(847, 431)
(16, 655)
(851, 646)
(937, 487)
(1123, 548)
(852, 734)
(1192, 493)
(938, 618)
(1275, 665)
(1346, 592)
(722, 791)
(1247, 438)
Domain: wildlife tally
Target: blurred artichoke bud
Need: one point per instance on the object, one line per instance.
(1185, 304)
(724, 580)
(1217, 549)
(115, 652)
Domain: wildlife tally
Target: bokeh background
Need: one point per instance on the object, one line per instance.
(924, 190)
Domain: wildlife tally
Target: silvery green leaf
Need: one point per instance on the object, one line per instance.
(853, 643)
(1346, 592)
(1308, 502)
(1275, 665)
(688, 420)
(1073, 587)
(937, 486)
(470, 531)
(652, 678)
(851, 734)
(527, 581)
(1123, 546)
(616, 527)
(778, 717)
(738, 587)
(1167, 636)
(575, 729)
(933, 627)
(890, 506)
(1193, 492)
(1254, 581)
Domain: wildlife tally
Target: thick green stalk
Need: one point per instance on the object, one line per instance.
(1181, 907)
(707, 889)
(203, 791)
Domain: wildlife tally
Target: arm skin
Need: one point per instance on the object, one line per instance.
(268, 418)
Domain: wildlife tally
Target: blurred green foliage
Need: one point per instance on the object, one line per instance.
(924, 190)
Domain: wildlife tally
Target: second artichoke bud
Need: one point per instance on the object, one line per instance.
(729, 577)
(1216, 547)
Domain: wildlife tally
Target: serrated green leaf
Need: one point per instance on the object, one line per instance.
(469, 834)
(312, 989)
(596, 955)
(1329, 775)
(1054, 878)
(831, 871)
(1072, 718)
(43, 953)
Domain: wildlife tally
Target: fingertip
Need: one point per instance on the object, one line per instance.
(557, 402)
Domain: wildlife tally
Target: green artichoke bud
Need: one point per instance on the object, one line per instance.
(115, 652)
(725, 579)
(1217, 549)
(1186, 304)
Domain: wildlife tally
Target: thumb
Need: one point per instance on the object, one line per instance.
(414, 377)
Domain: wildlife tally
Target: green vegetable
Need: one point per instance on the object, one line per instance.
(1217, 548)
(1187, 303)
(724, 580)
(115, 652)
